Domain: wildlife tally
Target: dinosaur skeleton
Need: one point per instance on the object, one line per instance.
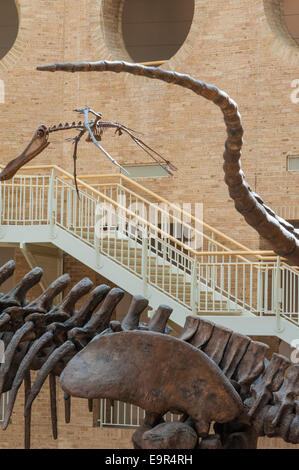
(94, 129)
(282, 236)
(207, 375)
(140, 363)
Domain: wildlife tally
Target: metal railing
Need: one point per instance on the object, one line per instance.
(288, 300)
(215, 280)
(120, 414)
(172, 218)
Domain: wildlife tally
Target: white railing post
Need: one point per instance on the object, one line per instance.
(51, 203)
(144, 262)
(69, 205)
(97, 234)
(194, 287)
(278, 295)
(259, 290)
(101, 413)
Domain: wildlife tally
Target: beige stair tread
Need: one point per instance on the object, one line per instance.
(229, 313)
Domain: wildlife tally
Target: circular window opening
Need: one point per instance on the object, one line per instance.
(154, 30)
(291, 16)
(9, 25)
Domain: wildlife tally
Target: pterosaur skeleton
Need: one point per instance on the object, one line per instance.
(94, 129)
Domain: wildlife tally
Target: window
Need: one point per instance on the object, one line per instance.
(293, 163)
(283, 18)
(119, 414)
(145, 171)
(291, 16)
(154, 30)
(9, 25)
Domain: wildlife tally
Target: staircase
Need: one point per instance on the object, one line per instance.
(145, 244)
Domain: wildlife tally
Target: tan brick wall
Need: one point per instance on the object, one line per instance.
(230, 45)
(79, 434)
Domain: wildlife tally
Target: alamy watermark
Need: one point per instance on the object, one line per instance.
(138, 220)
(295, 93)
(295, 354)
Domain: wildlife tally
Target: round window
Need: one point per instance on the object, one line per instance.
(291, 16)
(154, 30)
(9, 25)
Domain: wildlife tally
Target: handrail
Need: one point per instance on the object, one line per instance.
(295, 269)
(234, 252)
(154, 62)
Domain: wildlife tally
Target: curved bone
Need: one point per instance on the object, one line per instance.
(81, 316)
(37, 144)
(45, 300)
(78, 291)
(159, 320)
(99, 321)
(10, 351)
(27, 434)
(22, 370)
(190, 328)
(197, 331)
(106, 362)
(88, 307)
(16, 297)
(217, 343)
(56, 356)
(251, 366)
(52, 386)
(279, 233)
(67, 408)
(61, 312)
(6, 271)
(4, 319)
(234, 353)
(16, 315)
(137, 306)
(39, 322)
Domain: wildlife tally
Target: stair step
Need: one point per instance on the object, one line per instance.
(150, 260)
(232, 313)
